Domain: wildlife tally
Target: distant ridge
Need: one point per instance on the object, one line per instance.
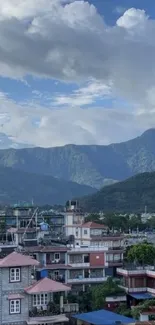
(128, 196)
(16, 186)
(92, 165)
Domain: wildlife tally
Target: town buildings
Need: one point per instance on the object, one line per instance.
(24, 300)
(85, 253)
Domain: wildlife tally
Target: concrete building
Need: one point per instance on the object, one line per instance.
(138, 282)
(24, 300)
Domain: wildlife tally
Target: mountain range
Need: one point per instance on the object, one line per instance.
(92, 165)
(18, 186)
(131, 195)
(54, 175)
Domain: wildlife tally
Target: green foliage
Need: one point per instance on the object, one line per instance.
(119, 222)
(93, 217)
(100, 292)
(19, 186)
(143, 253)
(146, 305)
(129, 196)
(123, 310)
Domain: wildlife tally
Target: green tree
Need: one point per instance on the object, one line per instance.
(146, 305)
(143, 254)
(100, 292)
(122, 309)
(93, 217)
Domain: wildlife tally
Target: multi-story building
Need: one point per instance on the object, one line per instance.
(24, 300)
(138, 282)
(52, 259)
(93, 264)
(81, 266)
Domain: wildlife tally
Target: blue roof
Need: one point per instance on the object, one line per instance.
(142, 296)
(103, 317)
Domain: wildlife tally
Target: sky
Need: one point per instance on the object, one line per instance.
(80, 72)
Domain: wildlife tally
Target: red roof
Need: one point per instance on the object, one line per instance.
(94, 225)
(46, 285)
(15, 259)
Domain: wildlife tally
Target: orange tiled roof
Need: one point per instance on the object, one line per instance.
(46, 285)
(15, 259)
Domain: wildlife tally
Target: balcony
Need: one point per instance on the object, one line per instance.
(129, 272)
(79, 264)
(88, 249)
(53, 309)
(87, 280)
(115, 263)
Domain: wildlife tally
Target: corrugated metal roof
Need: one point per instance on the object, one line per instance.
(103, 317)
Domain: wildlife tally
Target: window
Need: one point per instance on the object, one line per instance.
(85, 232)
(15, 274)
(56, 273)
(40, 300)
(15, 306)
(57, 256)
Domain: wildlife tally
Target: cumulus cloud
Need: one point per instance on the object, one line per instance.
(69, 41)
(84, 95)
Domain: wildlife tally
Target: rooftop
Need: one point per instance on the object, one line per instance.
(103, 317)
(46, 249)
(93, 225)
(15, 259)
(46, 285)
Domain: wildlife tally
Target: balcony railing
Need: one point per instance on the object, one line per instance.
(82, 264)
(53, 309)
(88, 249)
(79, 280)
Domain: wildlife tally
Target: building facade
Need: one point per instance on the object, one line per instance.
(24, 300)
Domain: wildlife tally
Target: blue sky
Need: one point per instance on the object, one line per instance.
(76, 72)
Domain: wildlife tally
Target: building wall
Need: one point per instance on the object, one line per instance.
(97, 259)
(7, 288)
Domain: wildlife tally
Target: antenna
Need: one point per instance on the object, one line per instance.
(33, 215)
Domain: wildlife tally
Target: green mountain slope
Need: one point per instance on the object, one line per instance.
(16, 185)
(92, 165)
(131, 195)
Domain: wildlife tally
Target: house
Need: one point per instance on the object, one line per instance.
(24, 300)
(138, 282)
(53, 259)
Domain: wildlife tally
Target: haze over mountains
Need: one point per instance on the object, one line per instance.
(90, 165)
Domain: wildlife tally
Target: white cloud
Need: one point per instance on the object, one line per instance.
(24, 124)
(68, 40)
(85, 95)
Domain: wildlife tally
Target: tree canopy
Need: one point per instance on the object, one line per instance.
(143, 254)
(100, 292)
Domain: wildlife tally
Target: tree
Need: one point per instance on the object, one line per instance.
(93, 217)
(146, 305)
(100, 292)
(143, 254)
